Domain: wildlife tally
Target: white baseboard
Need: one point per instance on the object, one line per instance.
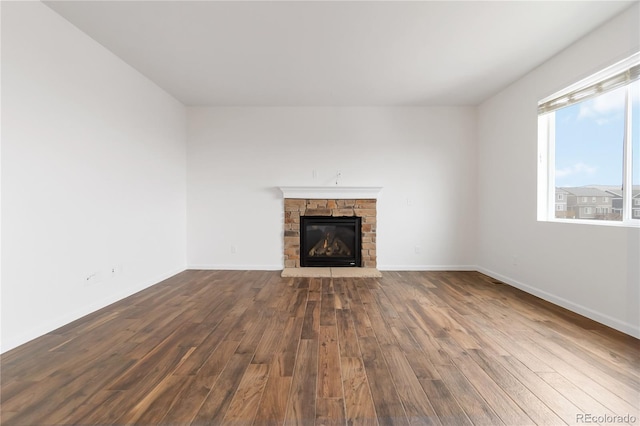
(223, 267)
(62, 320)
(427, 268)
(627, 328)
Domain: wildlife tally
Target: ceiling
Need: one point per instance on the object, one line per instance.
(335, 53)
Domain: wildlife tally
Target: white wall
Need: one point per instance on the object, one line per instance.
(593, 270)
(424, 158)
(93, 175)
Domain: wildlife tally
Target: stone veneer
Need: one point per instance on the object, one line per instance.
(296, 207)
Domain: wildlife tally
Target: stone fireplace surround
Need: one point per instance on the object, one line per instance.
(329, 201)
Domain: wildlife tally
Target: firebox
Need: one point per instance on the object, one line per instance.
(330, 241)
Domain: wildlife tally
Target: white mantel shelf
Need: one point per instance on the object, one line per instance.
(331, 192)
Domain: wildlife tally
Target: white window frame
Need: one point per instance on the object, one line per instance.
(546, 151)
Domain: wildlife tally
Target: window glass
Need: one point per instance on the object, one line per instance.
(589, 141)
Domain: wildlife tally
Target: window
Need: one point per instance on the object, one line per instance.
(589, 148)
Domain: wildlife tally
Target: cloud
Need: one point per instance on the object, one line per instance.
(604, 108)
(578, 168)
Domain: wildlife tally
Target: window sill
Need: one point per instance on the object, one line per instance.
(615, 224)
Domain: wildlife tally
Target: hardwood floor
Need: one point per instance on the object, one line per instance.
(242, 348)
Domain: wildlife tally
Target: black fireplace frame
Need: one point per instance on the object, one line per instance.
(331, 261)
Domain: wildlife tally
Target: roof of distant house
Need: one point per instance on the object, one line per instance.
(583, 191)
(598, 190)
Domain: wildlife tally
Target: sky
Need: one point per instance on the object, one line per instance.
(589, 138)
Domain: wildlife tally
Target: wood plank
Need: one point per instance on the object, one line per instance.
(358, 401)
(154, 406)
(199, 386)
(168, 352)
(581, 399)
(270, 340)
(285, 355)
(329, 378)
(623, 385)
(107, 401)
(444, 403)
(536, 409)
(315, 289)
(496, 397)
(341, 295)
(296, 307)
(328, 309)
(385, 397)
(198, 358)
(553, 399)
(165, 363)
(311, 324)
(217, 403)
(54, 404)
(417, 405)
(610, 399)
(347, 336)
(273, 405)
(191, 397)
(472, 403)
(425, 337)
(330, 412)
(244, 404)
(302, 397)
(593, 352)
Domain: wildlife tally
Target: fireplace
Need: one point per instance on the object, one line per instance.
(330, 203)
(330, 241)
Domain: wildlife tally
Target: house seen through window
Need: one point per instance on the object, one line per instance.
(589, 149)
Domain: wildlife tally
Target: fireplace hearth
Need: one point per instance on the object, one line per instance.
(329, 241)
